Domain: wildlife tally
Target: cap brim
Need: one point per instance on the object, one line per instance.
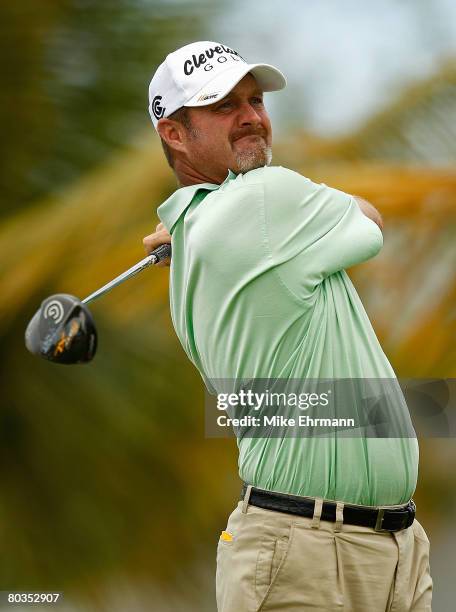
(267, 77)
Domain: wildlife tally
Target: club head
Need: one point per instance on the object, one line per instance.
(62, 331)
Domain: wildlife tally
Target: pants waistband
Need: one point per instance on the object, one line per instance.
(386, 518)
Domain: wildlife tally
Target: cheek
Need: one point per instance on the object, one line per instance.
(216, 140)
(207, 151)
(265, 120)
(212, 142)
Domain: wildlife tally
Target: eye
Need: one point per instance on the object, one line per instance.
(226, 104)
(257, 100)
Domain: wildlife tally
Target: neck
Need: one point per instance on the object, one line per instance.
(188, 175)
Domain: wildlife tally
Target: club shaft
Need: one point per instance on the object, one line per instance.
(160, 253)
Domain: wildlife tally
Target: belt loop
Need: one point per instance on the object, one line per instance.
(339, 516)
(317, 513)
(245, 503)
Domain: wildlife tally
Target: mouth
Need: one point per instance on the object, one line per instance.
(248, 136)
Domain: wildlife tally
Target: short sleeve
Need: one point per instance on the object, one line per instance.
(314, 230)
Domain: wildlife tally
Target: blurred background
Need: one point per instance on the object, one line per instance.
(110, 491)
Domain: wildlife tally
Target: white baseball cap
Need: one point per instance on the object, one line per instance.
(202, 73)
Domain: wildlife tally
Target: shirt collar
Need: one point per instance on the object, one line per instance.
(172, 208)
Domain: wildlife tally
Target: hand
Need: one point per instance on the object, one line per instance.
(151, 242)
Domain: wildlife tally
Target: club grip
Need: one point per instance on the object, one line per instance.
(161, 252)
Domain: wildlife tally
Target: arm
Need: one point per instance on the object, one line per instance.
(369, 210)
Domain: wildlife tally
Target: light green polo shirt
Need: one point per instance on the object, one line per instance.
(258, 289)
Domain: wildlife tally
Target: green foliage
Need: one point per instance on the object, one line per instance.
(75, 75)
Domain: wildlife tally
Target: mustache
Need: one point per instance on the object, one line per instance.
(249, 132)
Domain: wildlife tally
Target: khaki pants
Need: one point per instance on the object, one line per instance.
(269, 560)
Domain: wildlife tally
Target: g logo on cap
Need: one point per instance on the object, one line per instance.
(158, 110)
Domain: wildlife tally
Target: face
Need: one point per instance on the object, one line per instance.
(234, 133)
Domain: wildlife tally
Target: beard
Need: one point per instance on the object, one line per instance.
(254, 157)
(257, 155)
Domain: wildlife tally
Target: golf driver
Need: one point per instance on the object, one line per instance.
(63, 330)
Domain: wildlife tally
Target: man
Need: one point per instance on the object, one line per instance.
(258, 289)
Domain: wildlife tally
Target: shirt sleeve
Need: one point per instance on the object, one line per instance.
(314, 230)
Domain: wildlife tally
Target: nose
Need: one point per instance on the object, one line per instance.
(248, 115)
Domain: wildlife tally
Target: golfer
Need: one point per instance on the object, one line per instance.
(258, 289)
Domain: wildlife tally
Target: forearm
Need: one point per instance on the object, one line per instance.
(370, 211)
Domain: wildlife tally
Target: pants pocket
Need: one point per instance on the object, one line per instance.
(307, 574)
(270, 558)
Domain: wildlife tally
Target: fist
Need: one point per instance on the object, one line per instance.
(159, 237)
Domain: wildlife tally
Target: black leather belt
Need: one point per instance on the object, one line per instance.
(380, 519)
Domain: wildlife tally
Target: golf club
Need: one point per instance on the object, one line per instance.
(63, 330)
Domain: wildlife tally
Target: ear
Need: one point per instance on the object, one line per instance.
(172, 133)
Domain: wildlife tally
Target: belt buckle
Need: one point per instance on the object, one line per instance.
(411, 509)
(379, 522)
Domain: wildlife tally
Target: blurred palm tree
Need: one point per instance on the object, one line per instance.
(74, 83)
(417, 128)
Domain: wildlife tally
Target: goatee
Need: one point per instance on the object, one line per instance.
(257, 157)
